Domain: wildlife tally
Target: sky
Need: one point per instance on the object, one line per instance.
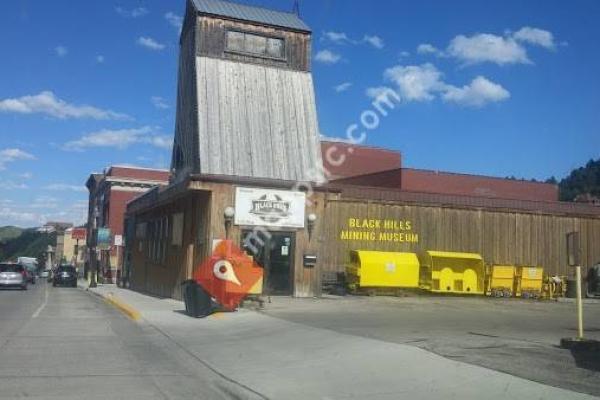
(501, 88)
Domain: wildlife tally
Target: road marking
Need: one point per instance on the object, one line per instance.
(39, 310)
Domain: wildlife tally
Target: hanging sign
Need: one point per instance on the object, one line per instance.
(269, 208)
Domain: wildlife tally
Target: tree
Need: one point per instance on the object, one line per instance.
(581, 181)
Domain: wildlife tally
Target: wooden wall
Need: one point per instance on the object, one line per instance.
(500, 236)
(212, 43)
(186, 121)
(256, 121)
(164, 279)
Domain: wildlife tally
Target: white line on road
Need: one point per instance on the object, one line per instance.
(39, 310)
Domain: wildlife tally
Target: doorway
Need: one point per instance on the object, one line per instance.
(275, 255)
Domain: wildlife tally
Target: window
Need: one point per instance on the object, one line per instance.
(251, 43)
(177, 234)
(158, 233)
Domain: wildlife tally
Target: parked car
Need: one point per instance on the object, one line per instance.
(65, 275)
(31, 277)
(13, 275)
(45, 274)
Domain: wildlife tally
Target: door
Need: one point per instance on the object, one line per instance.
(275, 254)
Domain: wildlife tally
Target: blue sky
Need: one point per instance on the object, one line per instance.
(497, 88)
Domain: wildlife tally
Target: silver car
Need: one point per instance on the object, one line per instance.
(13, 275)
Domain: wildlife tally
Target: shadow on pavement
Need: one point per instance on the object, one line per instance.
(585, 357)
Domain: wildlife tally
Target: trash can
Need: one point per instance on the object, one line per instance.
(571, 292)
(530, 280)
(501, 281)
(198, 303)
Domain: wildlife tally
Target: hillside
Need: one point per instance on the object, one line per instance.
(9, 232)
(29, 243)
(581, 182)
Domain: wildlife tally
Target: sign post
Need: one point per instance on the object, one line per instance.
(574, 253)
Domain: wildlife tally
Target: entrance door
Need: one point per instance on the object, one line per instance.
(276, 256)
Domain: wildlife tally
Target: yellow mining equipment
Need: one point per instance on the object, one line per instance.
(529, 282)
(373, 270)
(446, 272)
(501, 280)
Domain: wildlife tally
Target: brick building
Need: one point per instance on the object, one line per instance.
(110, 192)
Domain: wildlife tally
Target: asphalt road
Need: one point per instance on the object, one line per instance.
(64, 343)
(513, 336)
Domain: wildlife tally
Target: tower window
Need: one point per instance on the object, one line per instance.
(256, 45)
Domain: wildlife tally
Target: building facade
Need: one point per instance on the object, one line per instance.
(246, 162)
(109, 193)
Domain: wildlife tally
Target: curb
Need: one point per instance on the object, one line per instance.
(125, 308)
(111, 299)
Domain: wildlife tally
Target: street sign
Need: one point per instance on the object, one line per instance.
(573, 249)
(78, 233)
(118, 240)
(103, 239)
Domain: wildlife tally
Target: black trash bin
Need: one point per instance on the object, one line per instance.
(198, 302)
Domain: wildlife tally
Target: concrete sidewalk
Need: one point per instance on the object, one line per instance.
(285, 360)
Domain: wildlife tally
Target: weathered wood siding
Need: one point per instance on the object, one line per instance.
(256, 121)
(211, 38)
(500, 236)
(186, 121)
(164, 278)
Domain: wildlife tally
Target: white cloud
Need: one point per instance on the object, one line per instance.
(336, 37)
(374, 41)
(160, 141)
(375, 92)
(10, 185)
(485, 47)
(26, 175)
(535, 36)
(342, 87)
(11, 155)
(404, 54)
(427, 48)
(64, 187)
(416, 82)
(150, 43)
(47, 103)
(175, 20)
(100, 59)
(328, 57)
(61, 51)
(10, 216)
(476, 94)
(120, 139)
(341, 38)
(159, 103)
(133, 13)
(425, 83)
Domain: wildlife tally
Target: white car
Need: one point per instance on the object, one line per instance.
(45, 274)
(13, 275)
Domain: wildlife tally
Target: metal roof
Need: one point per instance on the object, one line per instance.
(229, 9)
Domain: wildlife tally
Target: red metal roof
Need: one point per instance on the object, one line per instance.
(357, 160)
(447, 183)
(146, 174)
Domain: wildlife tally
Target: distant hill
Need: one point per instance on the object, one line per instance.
(29, 243)
(9, 232)
(582, 182)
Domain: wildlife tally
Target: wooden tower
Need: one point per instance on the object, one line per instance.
(246, 102)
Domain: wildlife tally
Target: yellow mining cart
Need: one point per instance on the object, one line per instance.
(446, 272)
(373, 270)
(529, 282)
(501, 280)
